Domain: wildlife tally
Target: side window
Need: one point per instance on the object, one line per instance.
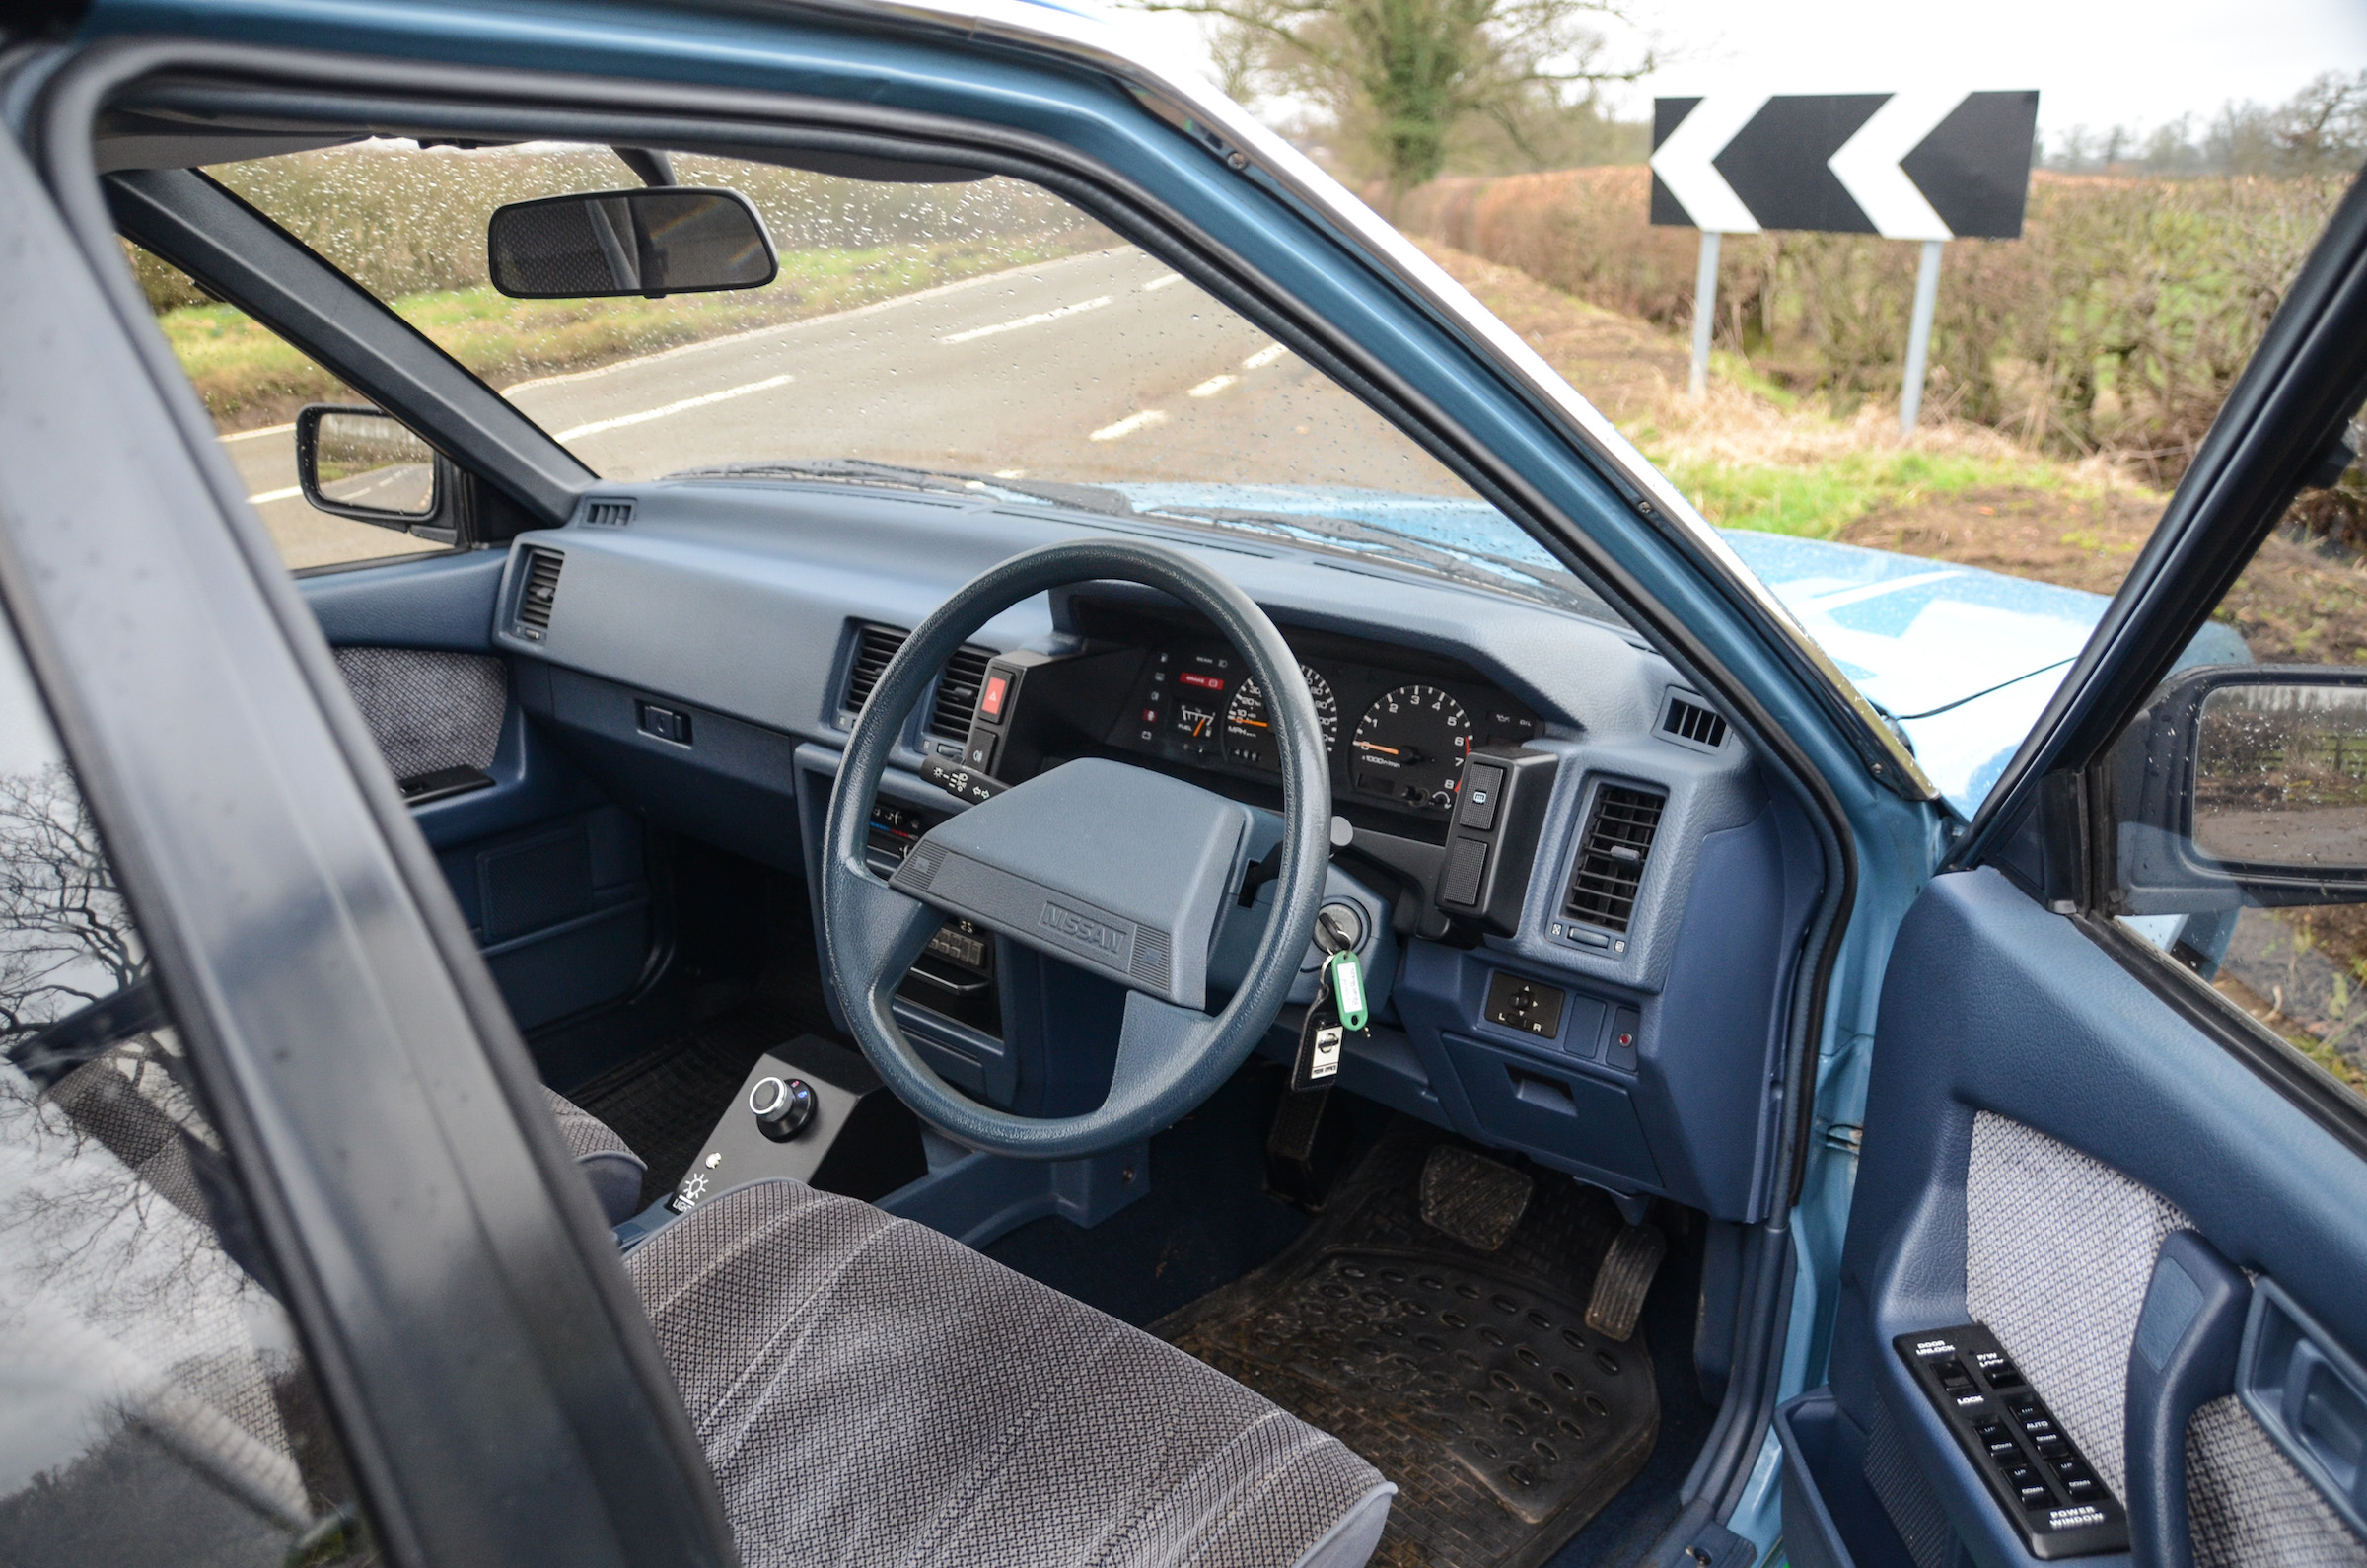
(2240, 794)
(254, 383)
(155, 1403)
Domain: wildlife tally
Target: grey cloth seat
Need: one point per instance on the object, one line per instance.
(606, 1160)
(871, 1392)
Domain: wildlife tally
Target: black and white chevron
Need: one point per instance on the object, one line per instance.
(1923, 165)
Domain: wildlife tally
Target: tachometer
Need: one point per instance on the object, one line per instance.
(1249, 727)
(1409, 746)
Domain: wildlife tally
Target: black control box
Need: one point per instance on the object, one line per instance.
(1492, 839)
(2044, 1484)
(845, 1132)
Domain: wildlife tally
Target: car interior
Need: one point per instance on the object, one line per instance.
(1521, 1243)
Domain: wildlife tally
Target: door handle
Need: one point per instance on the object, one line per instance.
(2188, 1334)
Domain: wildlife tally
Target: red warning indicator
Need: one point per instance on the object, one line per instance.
(1192, 678)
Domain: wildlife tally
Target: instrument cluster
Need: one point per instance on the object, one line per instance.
(1394, 736)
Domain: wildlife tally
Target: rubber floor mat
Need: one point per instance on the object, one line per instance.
(1468, 1377)
(666, 1103)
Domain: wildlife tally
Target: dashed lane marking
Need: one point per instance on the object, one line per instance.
(289, 493)
(1264, 357)
(1212, 386)
(1036, 319)
(647, 414)
(1128, 425)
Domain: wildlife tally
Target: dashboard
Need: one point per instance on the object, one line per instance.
(1580, 896)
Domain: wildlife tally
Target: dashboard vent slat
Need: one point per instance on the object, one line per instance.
(540, 594)
(957, 693)
(874, 647)
(607, 512)
(1612, 857)
(1689, 721)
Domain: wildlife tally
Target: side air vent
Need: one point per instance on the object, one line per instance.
(874, 647)
(607, 512)
(1692, 724)
(540, 594)
(958, 694)
(1611, 856)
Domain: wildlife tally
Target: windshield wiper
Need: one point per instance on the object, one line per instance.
(1461, 563)
(842, 471)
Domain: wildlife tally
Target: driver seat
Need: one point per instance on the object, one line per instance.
(870, 1391)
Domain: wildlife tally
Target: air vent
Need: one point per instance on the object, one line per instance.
(541, 592)
(957, 693)
(1692, 724)
(609, 512)
(874, 647)
(1611, 858)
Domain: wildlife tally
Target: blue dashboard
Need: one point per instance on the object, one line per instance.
(1594, 977)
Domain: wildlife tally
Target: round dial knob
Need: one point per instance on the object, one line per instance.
(783, 1106)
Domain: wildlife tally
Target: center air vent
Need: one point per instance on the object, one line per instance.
(1692, 724)
(874, 647)
(1611, 856)
(540, 594)
(957, 693)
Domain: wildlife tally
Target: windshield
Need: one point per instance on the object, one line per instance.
(979, 334)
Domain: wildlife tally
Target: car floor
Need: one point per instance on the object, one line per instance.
(1209, 1253)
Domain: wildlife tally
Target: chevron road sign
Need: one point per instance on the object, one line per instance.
(1925, 164)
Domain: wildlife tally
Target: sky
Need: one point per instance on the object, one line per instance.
(2094, 62)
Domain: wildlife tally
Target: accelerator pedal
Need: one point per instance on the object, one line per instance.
(1472, 1198)
(1623, 1281)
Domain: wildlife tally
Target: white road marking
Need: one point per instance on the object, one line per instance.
(1264, 357)
(1156, 284)
(1038, 319)
(1212, 386)
(291, 491)
(1128, 425)
(250, 435)
(647, 414)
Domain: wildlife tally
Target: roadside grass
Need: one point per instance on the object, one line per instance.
(250, 378)
(1819, 499)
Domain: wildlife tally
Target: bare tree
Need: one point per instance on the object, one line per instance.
(66, 937)
(1403, 74)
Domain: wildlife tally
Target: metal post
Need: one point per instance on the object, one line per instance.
(1918, 337)
(1706, 307)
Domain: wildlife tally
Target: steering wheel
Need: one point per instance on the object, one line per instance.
(1117, 868)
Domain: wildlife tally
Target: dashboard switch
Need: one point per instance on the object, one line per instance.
(1482, 789)
(1525, 1005)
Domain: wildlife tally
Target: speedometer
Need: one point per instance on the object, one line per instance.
(1249, 727)
(1409, 746)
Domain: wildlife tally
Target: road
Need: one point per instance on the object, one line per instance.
(1104, 366)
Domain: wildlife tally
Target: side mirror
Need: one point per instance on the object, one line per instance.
(664, 240)
(361, 463)
(2246, 784)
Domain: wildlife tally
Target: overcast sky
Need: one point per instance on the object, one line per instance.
(2094, 62)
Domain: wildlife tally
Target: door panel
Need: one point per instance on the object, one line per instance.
(550, 874)
(2038, 1122)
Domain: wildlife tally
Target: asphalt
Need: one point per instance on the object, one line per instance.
(1104, 366)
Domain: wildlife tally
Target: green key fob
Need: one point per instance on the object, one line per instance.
(1343, 974)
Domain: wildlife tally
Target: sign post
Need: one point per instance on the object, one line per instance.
(1926, 166)
(1705, 311)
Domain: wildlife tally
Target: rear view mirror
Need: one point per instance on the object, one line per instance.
(665, 240)
(361, 463)
(2246, 784)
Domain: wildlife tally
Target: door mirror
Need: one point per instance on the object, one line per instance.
(665, 240)
(2248, 782)
(361, 463)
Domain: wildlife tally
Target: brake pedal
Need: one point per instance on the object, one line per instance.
(1472, 1198)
